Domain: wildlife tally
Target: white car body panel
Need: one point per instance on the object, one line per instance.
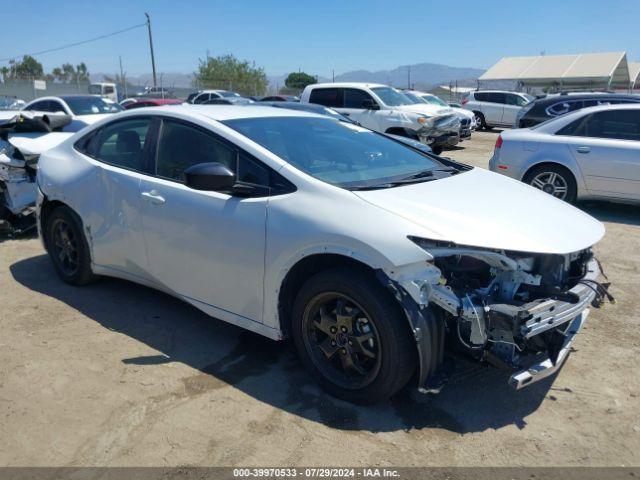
(603, 168)
(228, 256)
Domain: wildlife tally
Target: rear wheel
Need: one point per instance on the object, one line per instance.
(554, 180)
(67, 246)
(352, 336)
(481, 124)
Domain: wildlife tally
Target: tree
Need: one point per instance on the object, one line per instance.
(299, 80)
(227, 72)
(27, 68)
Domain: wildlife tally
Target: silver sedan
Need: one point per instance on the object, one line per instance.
(593, 153)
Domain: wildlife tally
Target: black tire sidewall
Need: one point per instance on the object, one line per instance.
(396, 349)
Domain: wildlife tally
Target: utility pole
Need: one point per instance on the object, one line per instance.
(153, 60)
(409, 77)
(333, 76)
(122, 80)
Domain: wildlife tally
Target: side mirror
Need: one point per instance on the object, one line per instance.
(212, 176)
(369, 104)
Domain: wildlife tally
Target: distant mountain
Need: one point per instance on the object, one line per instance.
(423, 75)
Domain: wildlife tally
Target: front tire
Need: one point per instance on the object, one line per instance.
(68, 247)
(352, 336)
(554, 180)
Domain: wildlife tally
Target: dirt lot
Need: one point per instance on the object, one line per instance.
(118, 374)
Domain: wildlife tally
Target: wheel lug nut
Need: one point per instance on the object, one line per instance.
(333, 329)
(350, 342)
(344, 329)
(343, 351)
(333, 343)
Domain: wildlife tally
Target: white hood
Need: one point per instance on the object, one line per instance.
(36, 143)
(426, 109)
(484, 209)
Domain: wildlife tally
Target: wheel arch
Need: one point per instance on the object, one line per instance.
(49, 205)
(304, 269)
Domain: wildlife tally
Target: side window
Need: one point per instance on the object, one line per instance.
(203, 97)
(497, 97)
(122, 143)
(182, 146)
(38, 106)
(214, 95)
(56, 107)
(516, 100)
(561, 108)
(108, 89)
(329, 97)
(480, 96)
(614, 124)
(573, 129)
(354, 98)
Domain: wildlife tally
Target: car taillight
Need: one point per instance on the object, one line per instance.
(464, 101)
(499, 142)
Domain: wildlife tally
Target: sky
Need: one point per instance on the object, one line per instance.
(316, 36)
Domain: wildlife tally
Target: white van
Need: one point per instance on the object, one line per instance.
(106, 90)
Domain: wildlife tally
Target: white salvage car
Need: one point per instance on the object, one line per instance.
(366, 252)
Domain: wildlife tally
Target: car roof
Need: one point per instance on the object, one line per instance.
(499, 91)
(229, 112)
(587, 96)
(348, 84)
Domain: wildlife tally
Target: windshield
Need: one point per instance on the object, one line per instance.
(434, 100)
(339, 153)
(392, 97)
(228, 94)
(414, 97)
(91, 105)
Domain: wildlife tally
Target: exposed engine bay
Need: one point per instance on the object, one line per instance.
(514, 310)
(21, 142)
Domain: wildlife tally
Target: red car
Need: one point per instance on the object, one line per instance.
(153, 102)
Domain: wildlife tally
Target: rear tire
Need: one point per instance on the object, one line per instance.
(481, 123)
(352, 336)
(67, 246)
(553, 179)
(437, 150)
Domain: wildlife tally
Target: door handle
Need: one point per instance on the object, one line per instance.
(346, 114)
(584, 149)
(153, 197)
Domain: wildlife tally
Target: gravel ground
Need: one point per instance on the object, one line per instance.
(118, 374)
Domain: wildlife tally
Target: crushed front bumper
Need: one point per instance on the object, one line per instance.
(547, 367)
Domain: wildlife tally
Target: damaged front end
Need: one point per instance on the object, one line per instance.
(517, 311)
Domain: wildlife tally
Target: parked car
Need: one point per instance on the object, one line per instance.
(83, 109)
(543, 109)
(127, 101)
(330, 112)
(589, 153)
(280, 98)
(11, 103)
(467, 119)
(387, 110)
(206, 95)
(370, 255)
(495, 108)
(153, 102)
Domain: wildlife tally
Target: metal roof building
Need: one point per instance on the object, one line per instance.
(634, 75)
(585, 70)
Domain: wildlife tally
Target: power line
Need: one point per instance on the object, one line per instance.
(33, 54)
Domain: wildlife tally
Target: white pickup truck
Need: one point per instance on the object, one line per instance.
(387, 110)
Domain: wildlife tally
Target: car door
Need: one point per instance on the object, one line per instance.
(354, 103)
(118, 154)
(606, 146)
(513, 105)
(205, 246)
(493, 108)
(202, 98)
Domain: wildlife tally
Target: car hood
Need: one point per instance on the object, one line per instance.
(425, 109)
(463, 112)
(483, 209)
